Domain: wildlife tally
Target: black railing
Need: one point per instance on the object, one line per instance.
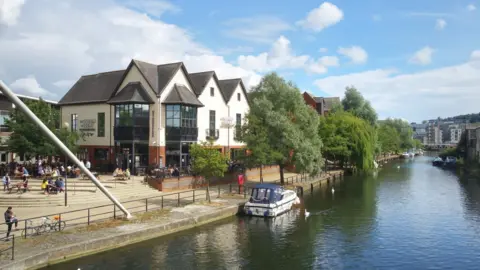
(11, 246)
(131, 133)
(212, 134)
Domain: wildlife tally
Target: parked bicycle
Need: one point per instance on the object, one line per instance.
(46, 226)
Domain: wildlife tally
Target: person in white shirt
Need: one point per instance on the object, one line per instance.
(88, 164)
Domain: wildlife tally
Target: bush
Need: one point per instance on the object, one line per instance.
(452, 152)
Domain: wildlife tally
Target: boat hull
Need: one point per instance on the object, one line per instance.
(270, 210)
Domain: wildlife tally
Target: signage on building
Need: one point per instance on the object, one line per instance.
(87, 124)
(226, 122)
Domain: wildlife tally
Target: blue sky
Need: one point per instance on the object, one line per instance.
(415, 60)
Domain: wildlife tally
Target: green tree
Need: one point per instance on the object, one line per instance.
(404, 130)
(388, 138)
(356, 104)
(417, 144)
(28, 139)
(208, 162)
(348, 138)
(285, 126)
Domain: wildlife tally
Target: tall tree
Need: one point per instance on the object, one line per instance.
(404, 130)
(356, 104)
(27, 138)
(348, 138)
(388, 138)
(208, 162)
(286, 127)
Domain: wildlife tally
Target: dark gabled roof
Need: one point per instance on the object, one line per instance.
(330, 102)
(319, 99)
(133, 92)
(180, 94)
(201, 79)
(228, 88)
(159, 76)
(93, 88)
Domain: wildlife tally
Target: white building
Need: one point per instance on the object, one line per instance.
(153, 111)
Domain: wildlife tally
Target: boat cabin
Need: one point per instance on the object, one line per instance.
(266, 193)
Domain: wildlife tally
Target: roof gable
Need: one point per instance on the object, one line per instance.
(133, 92)
(229, 86)
(200, 81)
(180, 94)
(93, 88)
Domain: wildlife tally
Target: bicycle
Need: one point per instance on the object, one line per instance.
(32, 230)
(58, 225)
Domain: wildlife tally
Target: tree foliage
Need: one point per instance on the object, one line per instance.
(404, 130)
(348, 138)
(388, 138)
(27, 138)
(356, 104)
(208, 162)
(282, 126)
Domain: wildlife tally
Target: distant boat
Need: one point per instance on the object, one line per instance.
(450, 161)
(438, 161)
(405, 155)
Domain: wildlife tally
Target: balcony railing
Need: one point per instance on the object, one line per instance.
(181, 133)
(212, 134)
(131, 133)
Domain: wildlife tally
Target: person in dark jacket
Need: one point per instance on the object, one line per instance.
(10, 219)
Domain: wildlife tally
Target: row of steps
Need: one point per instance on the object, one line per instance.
(80, 192)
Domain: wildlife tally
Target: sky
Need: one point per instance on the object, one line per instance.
(412, 59)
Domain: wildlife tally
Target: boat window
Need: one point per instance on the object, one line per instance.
(261, 193)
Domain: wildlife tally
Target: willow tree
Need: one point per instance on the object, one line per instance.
(348, 138)
(281, 124)
(355, 103)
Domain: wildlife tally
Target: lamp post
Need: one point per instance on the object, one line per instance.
(66, 125)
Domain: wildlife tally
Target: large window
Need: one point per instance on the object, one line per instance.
(101, 124)
(181, 116)
(100, 154)
(74, 121)
(212, 121)
(4, 116)
(238, 125)
(126, 113)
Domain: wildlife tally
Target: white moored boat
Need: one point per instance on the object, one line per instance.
(270, 200)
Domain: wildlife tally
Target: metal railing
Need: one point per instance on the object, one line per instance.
(87, 216)
(11, 246)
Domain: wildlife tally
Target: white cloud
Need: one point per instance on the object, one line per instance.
(63, 41)
(422, 56)
(10, 11)
(262, 29)
(326, 15)
(323, 50)
(471, 7)
(280, 56)
(432, 93)
(356, 54)
(29, 86)
(152, 7)
(440, 24)
(64, 84)
(475, 56)
(321, 65)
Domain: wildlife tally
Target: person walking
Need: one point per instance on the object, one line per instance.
(6, 182)
(10, 219)
(88, 164)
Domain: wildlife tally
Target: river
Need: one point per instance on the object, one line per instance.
(409, 215)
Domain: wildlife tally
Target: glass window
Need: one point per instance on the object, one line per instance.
(74, 121)
(239, 119)
(4, 116)
(239, 96)
(101, 124)
(100, 153)
(212, 91)
(212, 120)
(153, 123)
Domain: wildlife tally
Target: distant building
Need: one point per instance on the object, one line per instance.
(323, 105)
(472, 141)
(420, 132)
(6, 106)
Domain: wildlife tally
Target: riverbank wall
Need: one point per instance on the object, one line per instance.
(66, 246)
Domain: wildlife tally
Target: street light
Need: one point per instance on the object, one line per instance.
(67, 126)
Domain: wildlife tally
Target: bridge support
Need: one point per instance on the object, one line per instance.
(20, 105)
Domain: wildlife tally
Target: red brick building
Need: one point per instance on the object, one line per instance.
(323, 105)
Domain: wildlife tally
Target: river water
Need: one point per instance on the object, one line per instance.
(409, 215)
